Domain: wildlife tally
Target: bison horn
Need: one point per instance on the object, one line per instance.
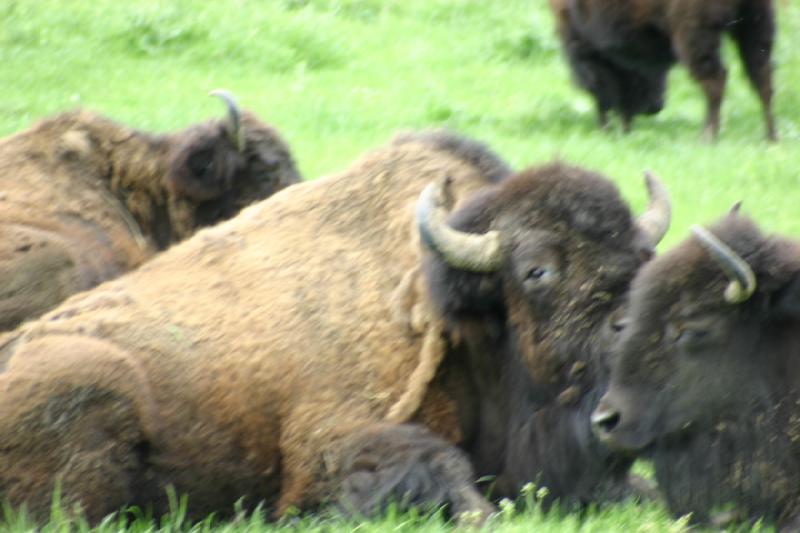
(234, 124)
(654, 222)
(466, 251)
(743, 280)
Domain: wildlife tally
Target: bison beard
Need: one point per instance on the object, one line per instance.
(555, 447)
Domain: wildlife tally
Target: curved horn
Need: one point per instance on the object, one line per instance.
(466, 251)
(743, 280)
(654, 222)
(234, 125)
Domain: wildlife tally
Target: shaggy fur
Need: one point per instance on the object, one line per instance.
(83, 199)
(709, 389)
(293, 355)
(620, 51)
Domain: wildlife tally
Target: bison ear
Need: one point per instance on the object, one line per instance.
(787, 300)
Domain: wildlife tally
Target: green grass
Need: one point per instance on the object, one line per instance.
(339, 77)
(628, 518)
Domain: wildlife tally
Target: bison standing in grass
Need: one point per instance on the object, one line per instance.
(388, 333)
(83, 199)
(707, 378)
(621, 51)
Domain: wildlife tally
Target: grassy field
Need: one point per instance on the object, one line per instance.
(339, 77)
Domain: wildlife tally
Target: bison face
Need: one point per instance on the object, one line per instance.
(629, 91)
(551, 251)
(677, 364)
(219, 167)
(704, 378)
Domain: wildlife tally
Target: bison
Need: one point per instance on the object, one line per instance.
(621, 51)
(706, 377)
(83, 199)
(389, 333)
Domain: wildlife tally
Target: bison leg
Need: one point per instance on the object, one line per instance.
(627, 122)
(409, 466)
(36, 273)
(755, 35)
(699, 49)
(70, 421)
(602, 117)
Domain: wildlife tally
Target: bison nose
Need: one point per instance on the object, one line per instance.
(604, 418)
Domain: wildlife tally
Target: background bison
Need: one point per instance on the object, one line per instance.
(309, 350)
(706, 379)
(83, 199)
(621, 51)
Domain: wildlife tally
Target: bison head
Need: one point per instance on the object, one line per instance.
(528, 273)
(218, 167)
(627, 91)
(624, 67)
(705, 375)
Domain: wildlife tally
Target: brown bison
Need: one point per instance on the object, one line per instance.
(83, 199)
(620, 51)
(706, 380)
(312, 350)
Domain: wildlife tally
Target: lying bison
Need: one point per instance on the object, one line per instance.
(706, 380)
(345, 341)
(83, 199)
(621, 51)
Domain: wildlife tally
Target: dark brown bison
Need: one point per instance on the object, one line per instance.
(706, 380)
(83, 199)
(620, 51)
(311, 350)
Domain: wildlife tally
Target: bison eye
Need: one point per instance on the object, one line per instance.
(539, 275)
(619, 324)
(536, 273)
(692, 336)
(695, 335)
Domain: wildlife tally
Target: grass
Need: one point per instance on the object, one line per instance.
(339, 77)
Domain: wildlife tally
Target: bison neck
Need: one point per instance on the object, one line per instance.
(750, 456)
(139, 166)
(749, 462)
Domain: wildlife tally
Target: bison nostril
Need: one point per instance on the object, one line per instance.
(605, 420)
